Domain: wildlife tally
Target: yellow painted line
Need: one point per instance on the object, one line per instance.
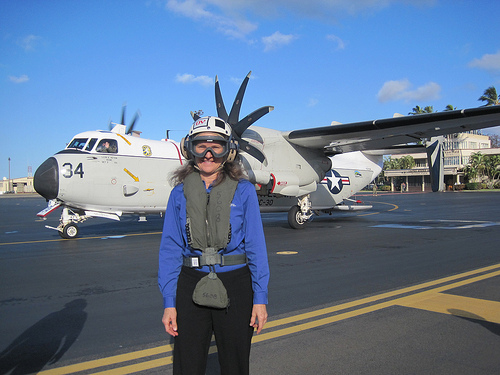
(125, 139)
(136, 179)
(395, 207)
(144, 366)
(362, 301)
(465, 307)
(108, 361)
(414, 299)
(399, 301)
(76, 239)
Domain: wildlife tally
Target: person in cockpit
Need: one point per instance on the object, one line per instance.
(106, 146)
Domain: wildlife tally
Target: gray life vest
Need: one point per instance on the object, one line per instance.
(207, 223)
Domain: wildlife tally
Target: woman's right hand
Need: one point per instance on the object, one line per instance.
(169, 320)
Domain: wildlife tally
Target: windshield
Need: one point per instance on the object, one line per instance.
(77, 143)
(91, 144)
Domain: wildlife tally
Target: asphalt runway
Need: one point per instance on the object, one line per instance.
(408, 287)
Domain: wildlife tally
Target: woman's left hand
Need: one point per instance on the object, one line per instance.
(259, 317)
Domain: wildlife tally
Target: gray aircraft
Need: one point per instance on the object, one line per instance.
(113, 173)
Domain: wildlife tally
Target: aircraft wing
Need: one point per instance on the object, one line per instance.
(384, 133)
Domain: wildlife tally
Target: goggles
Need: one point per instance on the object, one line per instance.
(218, 146)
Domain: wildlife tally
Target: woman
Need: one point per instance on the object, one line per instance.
(212, 209)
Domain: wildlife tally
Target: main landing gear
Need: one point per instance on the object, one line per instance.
(299, 215)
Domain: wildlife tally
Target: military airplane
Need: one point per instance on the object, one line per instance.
(113, 173)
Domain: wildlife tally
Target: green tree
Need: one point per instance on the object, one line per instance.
(449, 107)
(418, 110)
(490, 96)
(485, 168)
(405, 162)
(475, 168)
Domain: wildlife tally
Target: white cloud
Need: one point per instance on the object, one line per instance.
(277, 40)
(401, 90)
(20, 79)
(28, 42)
(232, 24)
(313, 102)
(340, 43)
(190, 78)
(487, 62)
(238, 10)
(233, 18)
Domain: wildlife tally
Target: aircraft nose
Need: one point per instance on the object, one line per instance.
(46, 180)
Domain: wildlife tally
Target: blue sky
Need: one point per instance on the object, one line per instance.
(68, 66)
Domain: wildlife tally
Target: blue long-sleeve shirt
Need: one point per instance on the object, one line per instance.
(247, 237)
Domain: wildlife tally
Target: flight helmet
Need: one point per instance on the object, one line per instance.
(195, 143)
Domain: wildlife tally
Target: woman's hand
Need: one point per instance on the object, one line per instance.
(169, 320)
(259, 317)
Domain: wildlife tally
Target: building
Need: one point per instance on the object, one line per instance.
(457, 151)
(17, 185)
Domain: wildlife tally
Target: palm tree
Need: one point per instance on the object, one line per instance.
(476, 167)
(418, 111)
(406, 162)
(490, 96)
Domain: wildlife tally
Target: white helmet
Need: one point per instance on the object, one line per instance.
(210, 124)
(222, 137)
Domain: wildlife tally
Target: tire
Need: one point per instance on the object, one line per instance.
(69, 231)
(294, 219)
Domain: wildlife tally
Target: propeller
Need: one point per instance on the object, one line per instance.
(134, 121)
(124, 107)
(130, 128)
(239, 126)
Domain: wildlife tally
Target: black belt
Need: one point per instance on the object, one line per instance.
(223, 260)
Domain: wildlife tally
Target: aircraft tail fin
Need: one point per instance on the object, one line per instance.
(435, 159)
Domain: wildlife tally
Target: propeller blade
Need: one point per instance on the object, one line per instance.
(251, 150)
(235, 110)
(123, 114)
(219, 102)
(244, 123)
(195, 116)
(132, 124)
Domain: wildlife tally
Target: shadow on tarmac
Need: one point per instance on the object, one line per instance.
(466, 315)
(46, 341)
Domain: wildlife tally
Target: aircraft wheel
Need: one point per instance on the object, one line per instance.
(295, 218)
(69, 231)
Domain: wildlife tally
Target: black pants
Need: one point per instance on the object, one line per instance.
(230, 326)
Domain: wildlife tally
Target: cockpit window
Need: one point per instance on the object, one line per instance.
(91, 144)
(78, 143)
(107, 145)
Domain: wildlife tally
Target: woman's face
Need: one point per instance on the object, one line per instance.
(208, 164)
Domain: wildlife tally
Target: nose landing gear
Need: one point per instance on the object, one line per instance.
(67, 227)
(69, 231)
